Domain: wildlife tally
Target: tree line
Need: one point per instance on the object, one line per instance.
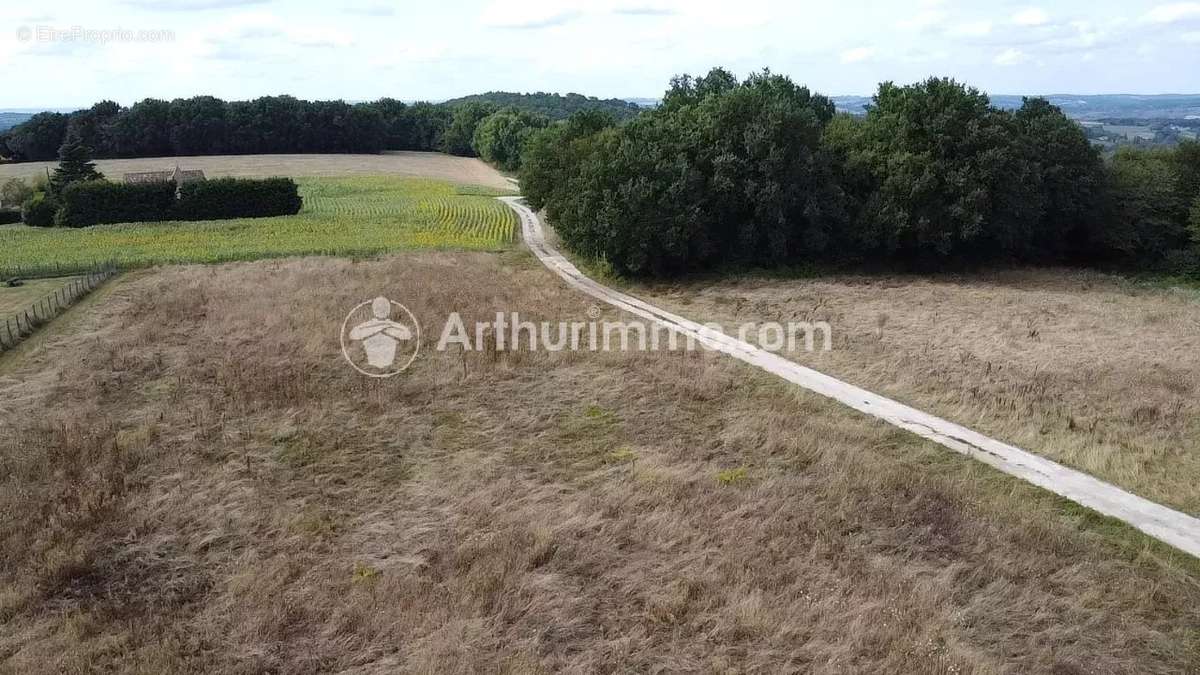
(552, 106)
(762, 172)
(204, 125)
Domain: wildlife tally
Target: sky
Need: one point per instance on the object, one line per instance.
(74, 52)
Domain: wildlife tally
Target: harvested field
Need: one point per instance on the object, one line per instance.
(462, 170)
(196, 482)
(1091, 371)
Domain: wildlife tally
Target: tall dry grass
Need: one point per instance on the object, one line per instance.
(193, 481)
(1080, 367)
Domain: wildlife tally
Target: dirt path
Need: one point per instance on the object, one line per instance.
(1167, 525)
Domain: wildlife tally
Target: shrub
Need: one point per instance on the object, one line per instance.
(9, 216)
(39, 210)
(97, 202)
(14, 192)
(238, 198)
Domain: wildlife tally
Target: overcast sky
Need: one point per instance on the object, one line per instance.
(436, 49)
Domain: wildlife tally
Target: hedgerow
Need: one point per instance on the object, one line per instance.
(96, 202)
(223, 198)
(99, 202)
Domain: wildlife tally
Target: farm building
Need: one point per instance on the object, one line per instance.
(178, 176)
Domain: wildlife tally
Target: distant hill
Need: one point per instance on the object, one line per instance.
(1088, 108)
(554, 106)
(9, 120)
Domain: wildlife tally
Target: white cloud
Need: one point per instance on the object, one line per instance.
(857, 55)
(546, 13)
(923, 20)
(1034, 16)
(191, 5)
(1174, 12)
(530, 14)
(971, 29)
(1010, 57)
(263, 35)
(376, 9)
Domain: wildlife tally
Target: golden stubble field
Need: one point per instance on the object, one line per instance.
(1089, 370)
(461, 170)
(194, 481)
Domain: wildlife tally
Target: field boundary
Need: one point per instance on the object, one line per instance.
(43, 311)
(1160, 522)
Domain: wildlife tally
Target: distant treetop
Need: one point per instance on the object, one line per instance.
(553, 106)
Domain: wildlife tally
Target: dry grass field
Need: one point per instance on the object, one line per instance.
(194, 481)
(459, 170)
(1081, 367)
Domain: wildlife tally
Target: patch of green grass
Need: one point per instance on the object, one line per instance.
(595, 412)
(296, 452)
(17, 298)
(622, 455)
(364, 573)
(341, 216)
(733, 476)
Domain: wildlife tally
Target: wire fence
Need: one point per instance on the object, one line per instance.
(21, 324)
(50, 270)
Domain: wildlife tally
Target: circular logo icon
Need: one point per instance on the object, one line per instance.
(380, 338)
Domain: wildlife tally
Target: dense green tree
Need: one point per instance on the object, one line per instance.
(944, 175)
(500, 137)
(143, 130)
(1144, 220)
(551, 154)
(198, 126)
(686, 90)
(74, 164)
(1187, 168)
(459, 136)
(39, 138)
(392, 114)
(721, 173)
(1068, 177)
(425, 124)
(553, 106)
(1194, 223)
(91, 125)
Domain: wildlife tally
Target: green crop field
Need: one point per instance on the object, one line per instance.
(341, 216)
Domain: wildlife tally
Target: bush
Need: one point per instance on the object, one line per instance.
(238, 198)
(39, 210)
(97, 202)
(9, 216)
(14, 192)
